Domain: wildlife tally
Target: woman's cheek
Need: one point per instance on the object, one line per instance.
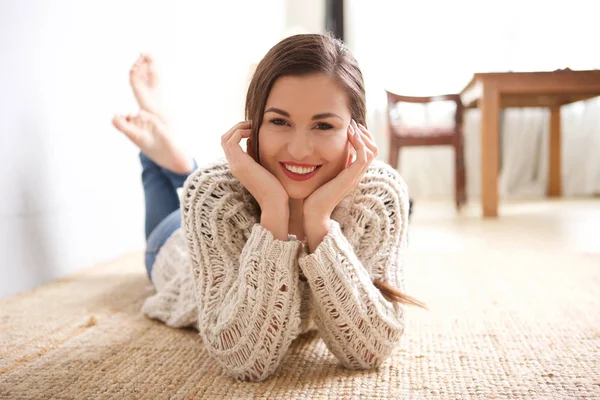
(266, 142)
(338, 147)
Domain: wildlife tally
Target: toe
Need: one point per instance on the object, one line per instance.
(144, 115)
(121, 123)
(117, 121)
(150, 117)
(129, 128)
(135, 70)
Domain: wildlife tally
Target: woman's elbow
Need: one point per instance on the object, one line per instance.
(245, 364)
(368, 359)
(254, 373)
(368, 363)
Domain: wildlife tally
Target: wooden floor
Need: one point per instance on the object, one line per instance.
(571, 225)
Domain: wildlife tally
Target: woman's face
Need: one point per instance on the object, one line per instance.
(303, 139)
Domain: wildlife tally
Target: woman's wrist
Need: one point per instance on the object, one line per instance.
(275, 218)
(315, 229)
(269, 198)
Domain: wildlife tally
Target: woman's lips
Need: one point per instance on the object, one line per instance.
(298, 177)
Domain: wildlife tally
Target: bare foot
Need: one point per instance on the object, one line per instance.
(143, 78)
(152, 136)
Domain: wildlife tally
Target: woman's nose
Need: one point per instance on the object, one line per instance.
(300, 146)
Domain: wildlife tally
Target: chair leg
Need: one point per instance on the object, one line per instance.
(394, 154)
(460, 195)
(456, 181)
(463, 178)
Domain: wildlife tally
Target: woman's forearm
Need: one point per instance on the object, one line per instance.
(275, 218)
(315, 229)
(357, 323)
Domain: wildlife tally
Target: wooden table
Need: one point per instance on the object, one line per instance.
(491, 92)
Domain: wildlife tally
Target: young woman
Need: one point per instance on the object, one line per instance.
(303, 230)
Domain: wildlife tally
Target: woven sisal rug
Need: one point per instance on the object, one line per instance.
(500, 326)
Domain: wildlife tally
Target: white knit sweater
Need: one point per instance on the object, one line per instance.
(250, 295)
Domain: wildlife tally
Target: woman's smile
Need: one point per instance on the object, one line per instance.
(299, 172)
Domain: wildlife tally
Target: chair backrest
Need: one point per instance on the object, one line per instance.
(393, 99)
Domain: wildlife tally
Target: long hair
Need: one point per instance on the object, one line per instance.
(302, 55)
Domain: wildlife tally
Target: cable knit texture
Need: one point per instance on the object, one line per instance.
(250, 295)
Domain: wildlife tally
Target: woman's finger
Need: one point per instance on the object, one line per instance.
(232, 146)
(367, 132)
(350, 132)
(241, 125)
(370, 145)
(365, 154)
(368, 140)
(362, 151)
(360, 147)
(237, 137)
(229, 133)
(352, 137)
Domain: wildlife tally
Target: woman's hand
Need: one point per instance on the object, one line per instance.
(262, 185)
(321, 203)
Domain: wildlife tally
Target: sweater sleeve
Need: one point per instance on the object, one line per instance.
(246, 281)
(174, 301)
(359, 326)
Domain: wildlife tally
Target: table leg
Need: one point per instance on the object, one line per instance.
(490, 140)
(554, 172)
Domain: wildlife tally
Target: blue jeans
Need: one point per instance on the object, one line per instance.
(163, 216)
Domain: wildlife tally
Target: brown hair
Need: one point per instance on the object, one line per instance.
(302, 55)
(394, 295)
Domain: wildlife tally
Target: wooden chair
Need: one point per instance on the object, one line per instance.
(403, 136)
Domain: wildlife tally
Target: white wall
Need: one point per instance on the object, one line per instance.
(70, 193)
(305, 16)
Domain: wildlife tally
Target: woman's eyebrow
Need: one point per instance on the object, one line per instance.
(315, 117)
(326, 115)
(278, 111)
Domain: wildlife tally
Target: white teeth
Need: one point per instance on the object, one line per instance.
(299, 170)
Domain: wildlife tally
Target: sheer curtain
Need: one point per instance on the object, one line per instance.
(434, 47)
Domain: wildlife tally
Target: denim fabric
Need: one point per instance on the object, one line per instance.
(159, 236)
(162, 205)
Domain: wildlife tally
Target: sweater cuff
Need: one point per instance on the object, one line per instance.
(326, 259)
(263, 241)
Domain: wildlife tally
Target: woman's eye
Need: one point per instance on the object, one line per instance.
(279, 121)
(323, 126)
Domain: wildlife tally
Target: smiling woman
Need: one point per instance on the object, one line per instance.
(303, 231)
(304, 134)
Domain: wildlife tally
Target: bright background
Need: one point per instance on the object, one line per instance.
(70, 193)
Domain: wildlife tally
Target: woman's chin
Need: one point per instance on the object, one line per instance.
(297, 193)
